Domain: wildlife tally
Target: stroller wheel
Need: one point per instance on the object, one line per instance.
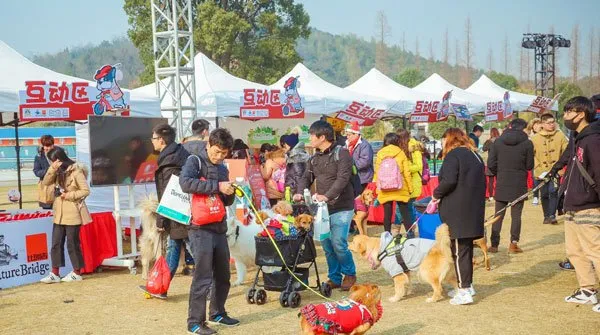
(250, 296)
(294, 299)
(283, 299)
(260, 297)
(325, 289)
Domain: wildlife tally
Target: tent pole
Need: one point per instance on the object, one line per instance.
(18, 148)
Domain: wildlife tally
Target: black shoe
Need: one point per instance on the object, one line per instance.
(547, 220)
(223, 320)
(188, 270)
(201, 329)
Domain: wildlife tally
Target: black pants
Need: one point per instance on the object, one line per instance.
(211, 253)
(515, 227)
(462, 253)
(549, 195)
(388, 214)
(57, 252)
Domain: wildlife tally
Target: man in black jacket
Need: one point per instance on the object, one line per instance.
(170, 160)
(331, 168)
(204, 173)
(511, 156)
(582, 200)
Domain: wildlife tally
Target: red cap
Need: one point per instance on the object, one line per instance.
(105, 70)
(353, 127)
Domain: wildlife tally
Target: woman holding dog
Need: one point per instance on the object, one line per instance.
(461, 196)
(392, 149)
(70, 212)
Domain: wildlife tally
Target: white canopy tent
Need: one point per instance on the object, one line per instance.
(321, 97)
(486, 87)
(438, 86)
(378, 84)
(218, 93)
(16, 69)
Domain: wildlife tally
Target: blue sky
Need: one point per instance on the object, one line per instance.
(38, 26)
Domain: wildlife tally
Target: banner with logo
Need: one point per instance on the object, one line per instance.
(273, 104)
(361, 113)
(432, 111)
(175, 204)
(542, 104)
(499, 110)
(25, 242)
(461, 112)
(61, 101)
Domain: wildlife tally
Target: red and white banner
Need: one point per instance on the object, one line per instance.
(272, 104)
(542, 104)
(432, 111)
(54, 101)
(497, 111)
(361, 113)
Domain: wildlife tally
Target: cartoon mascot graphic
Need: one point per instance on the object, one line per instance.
(444, 108)
(507, 107)
(111, 95)
(292, 104)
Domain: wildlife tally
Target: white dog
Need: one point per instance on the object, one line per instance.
(241, 243)
(150, 238)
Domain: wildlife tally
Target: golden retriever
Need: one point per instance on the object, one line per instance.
(367, 295)
(365, 199)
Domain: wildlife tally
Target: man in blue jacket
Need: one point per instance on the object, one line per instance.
(362, 153)
(204, 173)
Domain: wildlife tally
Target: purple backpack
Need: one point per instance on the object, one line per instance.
(425, 174)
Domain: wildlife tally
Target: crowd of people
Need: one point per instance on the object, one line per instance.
(501, 168)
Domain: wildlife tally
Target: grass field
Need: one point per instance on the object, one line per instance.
(522, 294)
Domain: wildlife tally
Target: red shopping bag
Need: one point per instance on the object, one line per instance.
(159, 278)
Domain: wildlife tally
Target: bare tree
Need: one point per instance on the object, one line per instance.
(383, 32)
(469, 50)
(352, 63)
(446, 65)
(490, 60)
(591, 81)
(403, 41)
(575, 53)
(417, 54)
(459, 72)
(506, 51)
(431, 60)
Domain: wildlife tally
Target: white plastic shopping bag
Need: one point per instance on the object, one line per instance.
(321, 225)
(175, 204)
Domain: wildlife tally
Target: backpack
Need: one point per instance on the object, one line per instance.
(389, 177)
(354, 177)
(425, 174)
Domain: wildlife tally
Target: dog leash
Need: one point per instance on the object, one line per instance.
(240, 193)
(519, 199)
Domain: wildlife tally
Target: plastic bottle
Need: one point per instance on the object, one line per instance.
(307, 197)
(288, 194)
(264, 201)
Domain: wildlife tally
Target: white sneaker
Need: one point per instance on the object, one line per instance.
(535, 201)
(452, 292)
(463, 297)
(596, 308)
(72, 276)
(583, 296)
(50, 279)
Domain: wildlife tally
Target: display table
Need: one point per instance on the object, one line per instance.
(25, 243)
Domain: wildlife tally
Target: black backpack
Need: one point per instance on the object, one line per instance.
(354, 177)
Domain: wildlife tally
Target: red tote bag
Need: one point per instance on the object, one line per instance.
(206, 208)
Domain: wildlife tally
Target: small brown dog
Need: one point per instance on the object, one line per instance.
(283, 208)
(303, 222)
(361, 209)
(352, 316)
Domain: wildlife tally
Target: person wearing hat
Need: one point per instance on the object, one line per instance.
(362, 153)
(297, 157)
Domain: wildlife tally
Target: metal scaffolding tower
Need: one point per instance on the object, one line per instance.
(172, 37)
(544, 46)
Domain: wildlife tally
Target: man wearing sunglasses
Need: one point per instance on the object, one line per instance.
(548, 145)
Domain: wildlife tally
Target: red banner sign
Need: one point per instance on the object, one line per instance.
(272, 104)
(542, 104)
(54, 101)
(432, 111)
(360, 113)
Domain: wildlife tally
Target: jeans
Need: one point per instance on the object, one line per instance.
(549, 195)
(212, 268)
(173, 252)
(536, 182)
(339, 258)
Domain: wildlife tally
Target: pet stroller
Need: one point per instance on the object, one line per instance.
(299, 254)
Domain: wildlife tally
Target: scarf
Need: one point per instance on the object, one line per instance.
(352, 145)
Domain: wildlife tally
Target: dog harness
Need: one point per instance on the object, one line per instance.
(408, 253)
(338, 317)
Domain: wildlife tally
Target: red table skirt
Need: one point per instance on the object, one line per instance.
(98, 240)
(376, 213)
